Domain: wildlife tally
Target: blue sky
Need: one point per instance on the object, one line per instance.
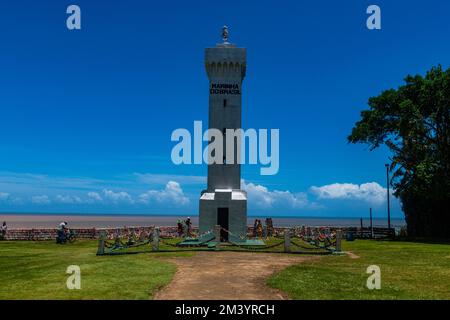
(86, 115)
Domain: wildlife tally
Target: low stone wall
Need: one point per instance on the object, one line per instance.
(81, 233)
(165, 231)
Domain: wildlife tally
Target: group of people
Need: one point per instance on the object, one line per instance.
(184, 227)
(259, 231)
(62, 232)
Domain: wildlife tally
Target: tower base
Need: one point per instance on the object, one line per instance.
(227, 208)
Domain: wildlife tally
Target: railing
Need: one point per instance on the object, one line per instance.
(293, 240)
(371, 233)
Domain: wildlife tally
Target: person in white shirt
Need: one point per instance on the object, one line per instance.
(63, 225)
(62, 232)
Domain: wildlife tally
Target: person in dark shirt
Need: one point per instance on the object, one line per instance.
(180, 228)
(188, 226)
(3, 230)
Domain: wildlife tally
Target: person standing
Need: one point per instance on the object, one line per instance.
(3, 230)
(62, 232)
(259, 229)
(180, 228)
(188, 226)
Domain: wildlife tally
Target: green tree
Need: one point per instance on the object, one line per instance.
(413, 122)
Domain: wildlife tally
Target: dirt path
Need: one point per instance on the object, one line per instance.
(227, 276)
(352, 255)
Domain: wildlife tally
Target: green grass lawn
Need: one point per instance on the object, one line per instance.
(408, 271)
(37, 270)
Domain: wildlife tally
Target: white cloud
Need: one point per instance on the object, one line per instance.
(95, 196)
(172, 193)
(117, 197)
(43, 189)
(7, 198)
(68, 199)
(4, 196)
(370, 192)
(40, 199)
(262, 197)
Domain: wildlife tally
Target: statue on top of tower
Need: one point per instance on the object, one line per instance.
(225, 34)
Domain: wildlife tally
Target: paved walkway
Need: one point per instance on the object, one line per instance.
(227, 276)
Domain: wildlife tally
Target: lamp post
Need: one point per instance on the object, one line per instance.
(388, 204)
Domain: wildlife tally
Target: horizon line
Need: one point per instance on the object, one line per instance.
(188, 215)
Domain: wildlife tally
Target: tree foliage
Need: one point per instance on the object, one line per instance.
(413, 122)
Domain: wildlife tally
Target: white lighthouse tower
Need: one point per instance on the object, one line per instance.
(223, 202)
